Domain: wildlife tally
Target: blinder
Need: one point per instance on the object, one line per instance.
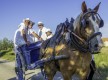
(101, 24)
(83, 21)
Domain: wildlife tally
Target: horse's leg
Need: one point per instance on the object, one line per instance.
(67, 75)
(67, 68)
(50, 71)
(83, 73)
(92, 70)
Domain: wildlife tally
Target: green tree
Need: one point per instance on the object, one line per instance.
(0, 44)
(6, 44)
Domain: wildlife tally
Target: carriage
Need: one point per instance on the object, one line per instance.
(80, 42)
(28, 58)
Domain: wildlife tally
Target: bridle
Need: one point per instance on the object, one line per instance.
(83, 20)
(86, 45)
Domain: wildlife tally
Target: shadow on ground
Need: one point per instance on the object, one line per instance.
(101, 74)
(4, 61)
(12, 78)
(39, 76)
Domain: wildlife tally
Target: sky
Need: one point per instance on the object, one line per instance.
(50, 12)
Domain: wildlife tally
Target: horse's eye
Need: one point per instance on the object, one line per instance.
(87, 22)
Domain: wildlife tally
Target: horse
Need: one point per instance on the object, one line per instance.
(78, 40)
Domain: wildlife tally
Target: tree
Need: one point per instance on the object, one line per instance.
(0, 44)
(5, 44)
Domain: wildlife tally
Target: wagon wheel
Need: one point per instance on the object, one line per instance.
(18, 69)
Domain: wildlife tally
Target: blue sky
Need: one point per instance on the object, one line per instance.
(51, 12)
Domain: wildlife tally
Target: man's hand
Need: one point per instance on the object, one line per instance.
(40, 39)
(36, 35)
(28, 43)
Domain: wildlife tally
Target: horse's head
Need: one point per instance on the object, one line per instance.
(87, 26)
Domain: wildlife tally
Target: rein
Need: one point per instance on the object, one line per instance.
(85, 45)
(75, 40)
(91, 37)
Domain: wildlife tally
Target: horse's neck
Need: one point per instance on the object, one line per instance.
(77, 26)
(78, 32)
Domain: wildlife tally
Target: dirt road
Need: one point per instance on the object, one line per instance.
(7, 72)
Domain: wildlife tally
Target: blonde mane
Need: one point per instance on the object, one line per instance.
(77, 21)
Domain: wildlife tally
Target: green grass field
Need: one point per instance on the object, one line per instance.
(7, 54)
(101, 60)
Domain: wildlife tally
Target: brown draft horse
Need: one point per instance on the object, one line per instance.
(87, 24)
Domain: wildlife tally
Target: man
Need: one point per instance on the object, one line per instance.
(33, 37)
(49, 33)
(20, 36)
(42, 31)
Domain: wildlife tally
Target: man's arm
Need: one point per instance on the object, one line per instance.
(24, 37)
(36, 35)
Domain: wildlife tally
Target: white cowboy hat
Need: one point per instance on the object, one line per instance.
(26, 19)
(48, 30)
(39, 23)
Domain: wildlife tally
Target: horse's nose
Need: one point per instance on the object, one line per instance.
(96, 45)
(99, 45)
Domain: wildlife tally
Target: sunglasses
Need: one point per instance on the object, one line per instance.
(39, 25)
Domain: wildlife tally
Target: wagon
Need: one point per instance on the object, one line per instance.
(28, 58)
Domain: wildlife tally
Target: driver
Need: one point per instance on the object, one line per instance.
(33, 36)
(20, 36)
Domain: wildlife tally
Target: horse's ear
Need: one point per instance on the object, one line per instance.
(84, 7)
(97, 7)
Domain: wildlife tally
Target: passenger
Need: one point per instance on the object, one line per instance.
(21, 35)
(42, 31)
(49, 33)
(33, 36)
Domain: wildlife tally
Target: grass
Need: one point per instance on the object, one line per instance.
(7, 54)
(102, 65)
(102, 58)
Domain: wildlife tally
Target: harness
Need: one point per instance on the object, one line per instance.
(83, 20)
(84, 46)
(74, 39)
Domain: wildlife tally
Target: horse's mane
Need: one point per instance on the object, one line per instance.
(61, 28)
(77, 21)
(69, 25)
(58, 36)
